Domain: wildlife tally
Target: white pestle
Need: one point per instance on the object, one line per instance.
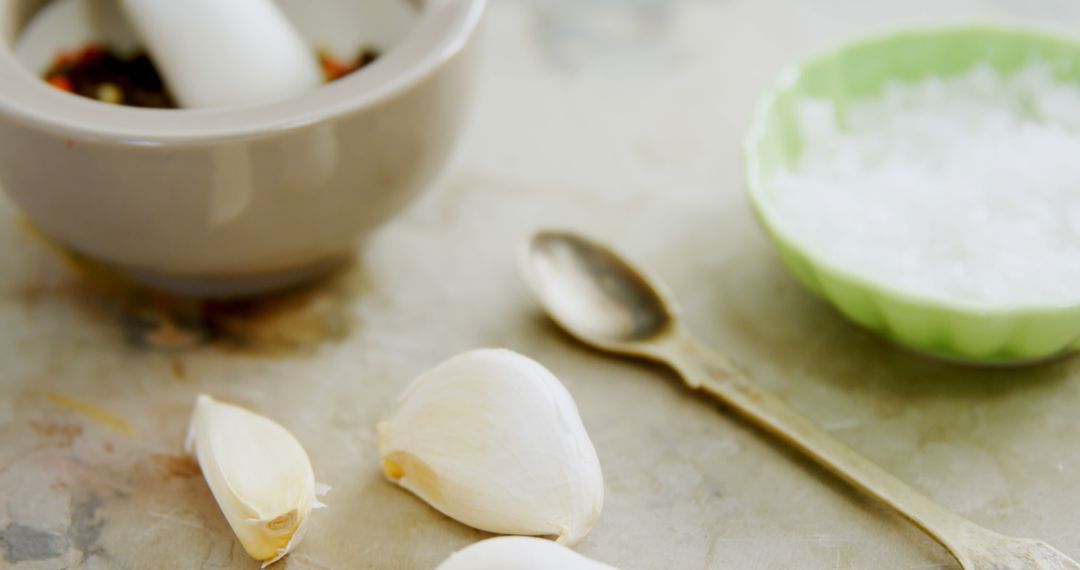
(218, 53)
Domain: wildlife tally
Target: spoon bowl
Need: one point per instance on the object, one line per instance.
(595, 295)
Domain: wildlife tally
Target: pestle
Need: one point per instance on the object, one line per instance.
(217, 53)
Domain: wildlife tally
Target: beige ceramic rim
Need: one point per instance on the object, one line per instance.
(441, 31)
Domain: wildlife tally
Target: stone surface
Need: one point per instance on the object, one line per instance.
(620, 118)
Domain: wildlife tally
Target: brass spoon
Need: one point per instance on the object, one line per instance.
(605, 302)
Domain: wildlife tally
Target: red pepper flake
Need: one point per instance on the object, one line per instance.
(331, 67)
(62, 83)
(334, 68)
(65, 59)
(90, 54)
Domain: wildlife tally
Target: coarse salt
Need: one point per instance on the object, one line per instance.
(963, 189)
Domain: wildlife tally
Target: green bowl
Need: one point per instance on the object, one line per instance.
(999, 335)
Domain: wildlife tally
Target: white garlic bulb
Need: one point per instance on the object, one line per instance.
(259, 474)
(494, 440)
(519, 553)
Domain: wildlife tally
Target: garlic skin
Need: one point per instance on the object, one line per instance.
(494, 440)
(519, 553)
(259, 474)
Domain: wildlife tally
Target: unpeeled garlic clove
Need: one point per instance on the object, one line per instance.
(259, 474)
(519, 553)
(494, 440)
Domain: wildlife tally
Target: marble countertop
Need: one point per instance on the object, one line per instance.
(622, 118)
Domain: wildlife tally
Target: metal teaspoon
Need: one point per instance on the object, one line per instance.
(607, 303)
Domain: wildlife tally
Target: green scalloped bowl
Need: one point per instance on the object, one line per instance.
(1000, 335)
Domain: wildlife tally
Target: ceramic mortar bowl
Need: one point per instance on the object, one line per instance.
(244, 199)
(951, 330)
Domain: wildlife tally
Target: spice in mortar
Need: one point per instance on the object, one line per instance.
(100, 73)
(963, 189)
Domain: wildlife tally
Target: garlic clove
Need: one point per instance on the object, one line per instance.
(519, 553)
(259, 474)
(494, 440)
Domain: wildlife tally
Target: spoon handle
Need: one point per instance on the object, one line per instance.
(974, 547)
